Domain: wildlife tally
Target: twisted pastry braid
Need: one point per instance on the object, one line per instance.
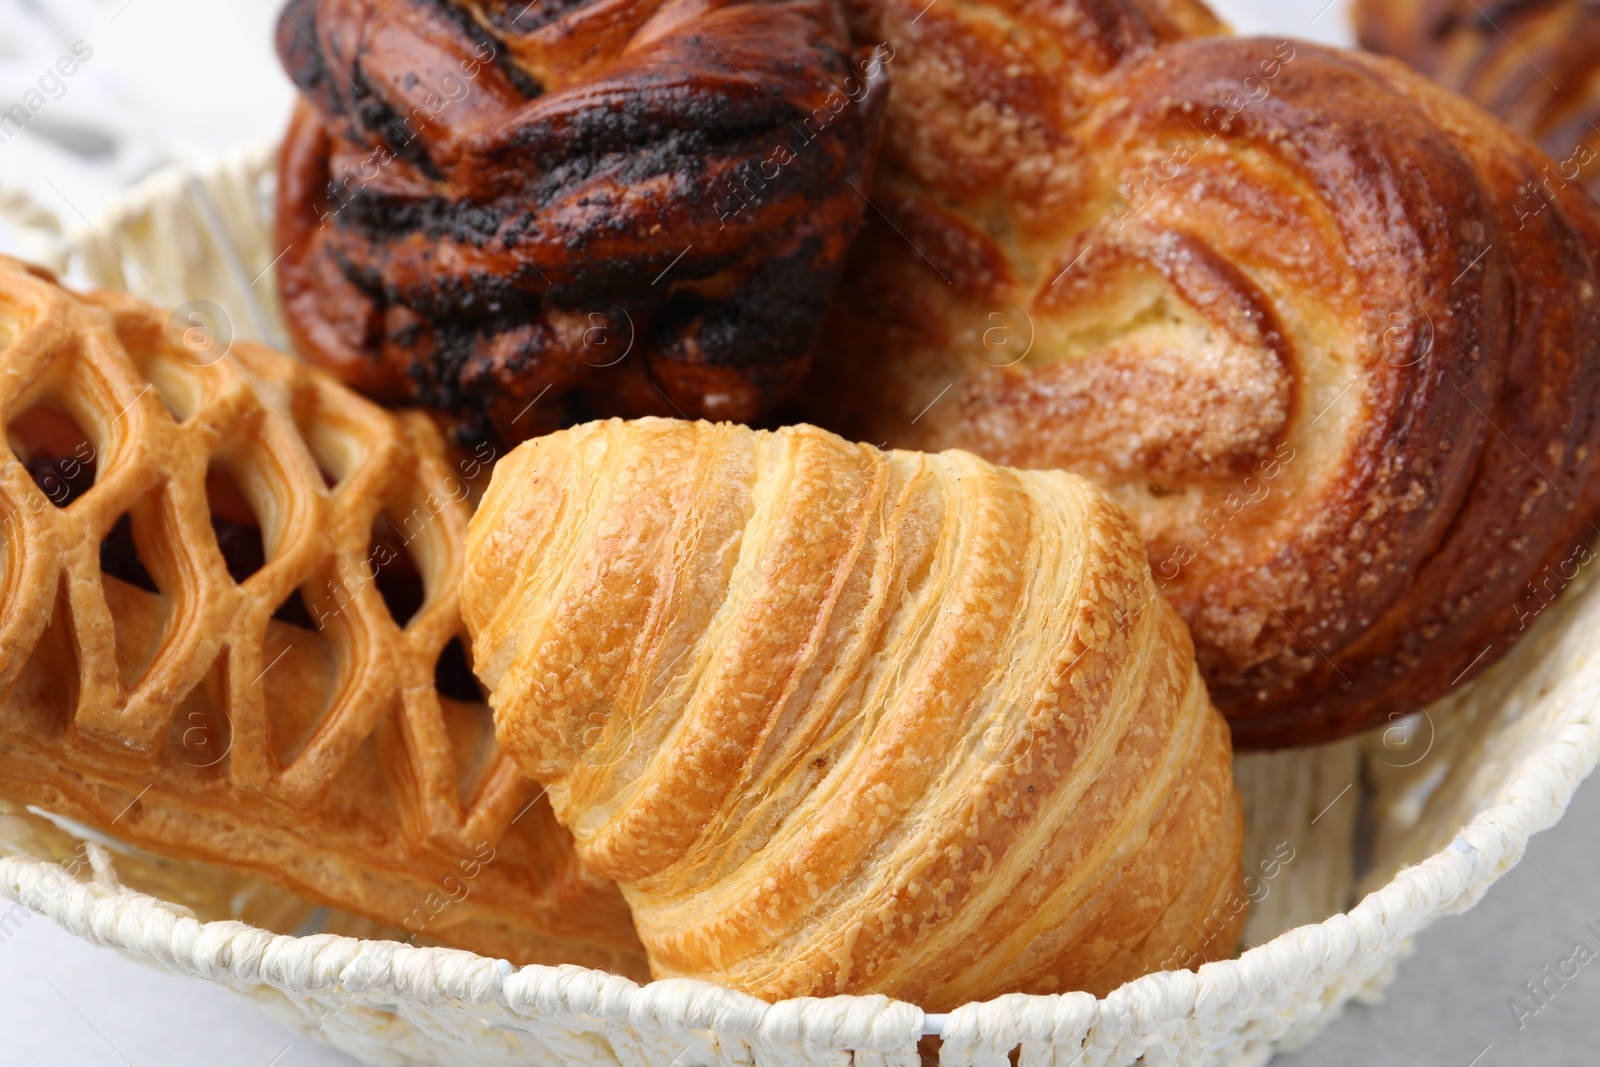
(1277, 300)
(845, 721)
(1535, 63)
(276, 711)
(519, 212)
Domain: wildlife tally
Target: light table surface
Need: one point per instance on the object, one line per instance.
(172, 80)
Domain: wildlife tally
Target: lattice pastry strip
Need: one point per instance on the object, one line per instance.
(267, 711)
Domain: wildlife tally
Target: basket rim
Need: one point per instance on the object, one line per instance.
(390, 974)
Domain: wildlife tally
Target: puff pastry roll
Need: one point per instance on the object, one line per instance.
(227, 615)
(841, 720)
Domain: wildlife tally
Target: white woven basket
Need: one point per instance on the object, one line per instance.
(1444, 800)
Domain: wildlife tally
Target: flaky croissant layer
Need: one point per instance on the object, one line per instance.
(841, 720)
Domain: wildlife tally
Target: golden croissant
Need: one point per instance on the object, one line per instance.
(227, 615)
(840, 720)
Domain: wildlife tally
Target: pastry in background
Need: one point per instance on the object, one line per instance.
(1535, 64)
(847, 721)
(230, 633)
(1279, 301)
(521, 214)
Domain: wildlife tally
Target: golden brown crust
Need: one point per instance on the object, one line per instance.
(513, 213)
(1278, 301)
(845, 721)
(190, 703)
(1535, 63)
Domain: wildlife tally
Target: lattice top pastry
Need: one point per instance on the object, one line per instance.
(229, 616)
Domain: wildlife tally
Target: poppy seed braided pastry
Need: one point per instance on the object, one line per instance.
(1283, 302)
(846, 721)
(516, 213)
